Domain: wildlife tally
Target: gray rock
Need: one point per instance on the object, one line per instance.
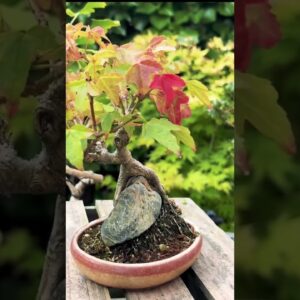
(135, 211)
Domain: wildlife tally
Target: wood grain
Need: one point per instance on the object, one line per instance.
(175, 289)
(215, 266)
(78, 287)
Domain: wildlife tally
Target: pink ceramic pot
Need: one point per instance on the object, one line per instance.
(132, 276)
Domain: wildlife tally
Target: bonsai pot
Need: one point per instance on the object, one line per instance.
(136, 275)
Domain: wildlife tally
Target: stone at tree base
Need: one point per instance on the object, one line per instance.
(136, 210)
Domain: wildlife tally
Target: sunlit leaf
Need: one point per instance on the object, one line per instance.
(106, 24)
(198, 90)
(109, 84)
(76, 143)
(183, 135)
(161, 131)
(90, 7)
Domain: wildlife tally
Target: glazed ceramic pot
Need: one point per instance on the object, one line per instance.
(132, 276)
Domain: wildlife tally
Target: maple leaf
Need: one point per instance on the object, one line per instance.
(168, 83)
(72, 51)
(179, 108)
(141, 74)
(96, 33)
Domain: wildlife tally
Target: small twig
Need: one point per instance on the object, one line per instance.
(122, 107)
(93, 113)
(84, 174)
(122, 125)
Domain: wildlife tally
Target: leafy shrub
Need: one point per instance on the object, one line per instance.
(195, 20)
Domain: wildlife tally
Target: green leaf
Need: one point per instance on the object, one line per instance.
(16, 55)
(148, 8)
(256, 102)
(106, 24)
(76, 143)
(181, 17)
(209, 15)
(198, 90)
(167, 10)
(183, 135)
(226, 9)
(161, 131)
(159, 22)
(108, 119)
(70, 13)
(90, 7)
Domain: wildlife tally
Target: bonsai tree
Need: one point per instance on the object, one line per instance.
(106, 86)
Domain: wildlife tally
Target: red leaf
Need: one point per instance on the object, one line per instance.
(257, 26)
(178, 109)
(168, 83)
(141, 74)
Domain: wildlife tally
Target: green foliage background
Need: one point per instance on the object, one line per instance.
(203, 34)
(267, 220)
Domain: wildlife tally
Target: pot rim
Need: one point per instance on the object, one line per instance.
(86, 258)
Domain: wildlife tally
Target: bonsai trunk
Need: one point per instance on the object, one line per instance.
(129, 167)
(139, 200)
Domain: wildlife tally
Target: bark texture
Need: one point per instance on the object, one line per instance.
(129, 167)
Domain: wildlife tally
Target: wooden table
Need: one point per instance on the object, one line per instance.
(210, 277)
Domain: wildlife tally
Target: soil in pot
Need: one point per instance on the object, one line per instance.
(168, 236)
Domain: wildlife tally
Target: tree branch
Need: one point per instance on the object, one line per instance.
(84, 174)
(93, 113)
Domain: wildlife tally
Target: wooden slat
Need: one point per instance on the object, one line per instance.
(78, 287)
(175, 289)
(215, 266)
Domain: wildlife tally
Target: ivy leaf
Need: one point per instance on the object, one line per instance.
(159, 22)
(108, 119)
(226, 9)
(106, 24)
(148, 8)
(256, 102)
(199, 90)
(90, 7)
(141, 74)
(161, 131)
(109, 84)
(76, 143)
(183, 135)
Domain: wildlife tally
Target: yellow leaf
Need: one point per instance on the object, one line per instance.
(109, 84)
(199, 90)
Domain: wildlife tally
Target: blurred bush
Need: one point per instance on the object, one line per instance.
(196, 20)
